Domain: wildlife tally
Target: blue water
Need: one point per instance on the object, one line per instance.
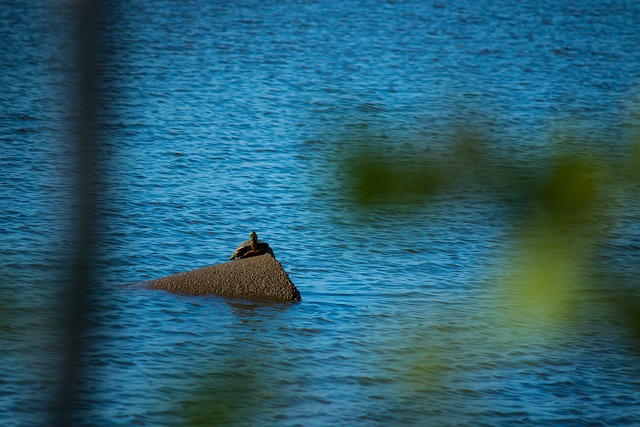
(223, 117)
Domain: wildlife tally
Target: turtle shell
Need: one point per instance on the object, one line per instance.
(244, 250)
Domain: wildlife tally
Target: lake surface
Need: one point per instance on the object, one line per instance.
(223, 117)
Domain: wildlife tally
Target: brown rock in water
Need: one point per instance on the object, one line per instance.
(260, 277)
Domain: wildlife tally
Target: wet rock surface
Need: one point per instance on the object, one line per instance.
(259, 278)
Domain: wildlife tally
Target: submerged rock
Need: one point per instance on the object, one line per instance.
(260, 277)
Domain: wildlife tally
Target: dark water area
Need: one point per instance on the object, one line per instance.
(222, 117)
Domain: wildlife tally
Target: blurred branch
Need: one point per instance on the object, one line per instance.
(86, 168)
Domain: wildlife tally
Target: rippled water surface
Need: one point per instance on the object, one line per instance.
(221, 117)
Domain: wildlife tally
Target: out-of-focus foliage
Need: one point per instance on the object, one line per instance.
(563, 206)
(377, 180)
(220, 398)
(229, 390)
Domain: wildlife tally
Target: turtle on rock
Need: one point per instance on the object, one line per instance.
(251, 247)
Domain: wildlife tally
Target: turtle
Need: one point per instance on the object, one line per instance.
(251, 247)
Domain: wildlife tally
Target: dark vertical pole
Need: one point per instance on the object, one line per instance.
(86, 171)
